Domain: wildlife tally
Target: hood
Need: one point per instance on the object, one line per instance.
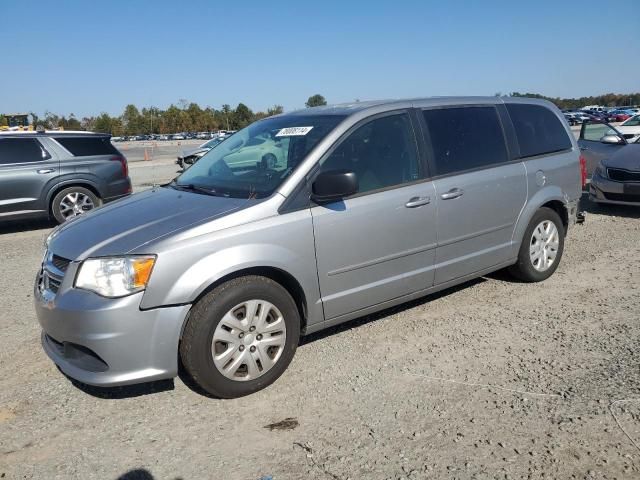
(126, 225)
(627, 158)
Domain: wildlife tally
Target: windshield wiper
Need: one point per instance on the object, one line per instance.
(195, 188)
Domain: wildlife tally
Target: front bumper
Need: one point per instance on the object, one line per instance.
(603, 190)
(108, 342)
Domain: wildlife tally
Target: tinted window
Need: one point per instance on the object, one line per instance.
(465, 138)
(83, 146)
(538, 130)
(382, 153)
(21, 150)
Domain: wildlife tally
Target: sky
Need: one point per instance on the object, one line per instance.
(90, 57)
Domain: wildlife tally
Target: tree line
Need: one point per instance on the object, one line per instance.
(190, 117)
(183, 117)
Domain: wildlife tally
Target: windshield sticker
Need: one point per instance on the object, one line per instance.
(293, 131)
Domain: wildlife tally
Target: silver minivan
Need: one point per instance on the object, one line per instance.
(299, 222)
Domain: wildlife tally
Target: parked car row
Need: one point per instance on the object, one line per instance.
(602, 114)
(174, 136)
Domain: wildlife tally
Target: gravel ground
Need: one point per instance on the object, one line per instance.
(493, 379)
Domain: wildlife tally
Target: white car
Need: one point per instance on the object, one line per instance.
(630, 128)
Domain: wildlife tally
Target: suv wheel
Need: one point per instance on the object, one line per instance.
(541, 248)
(73, 201)
(240, 337)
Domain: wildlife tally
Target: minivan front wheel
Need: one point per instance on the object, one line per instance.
(73, 201)
(240, 337)
(541, 247)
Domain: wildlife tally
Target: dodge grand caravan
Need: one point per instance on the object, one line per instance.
(362, 207)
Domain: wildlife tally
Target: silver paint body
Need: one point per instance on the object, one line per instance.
(349, 258)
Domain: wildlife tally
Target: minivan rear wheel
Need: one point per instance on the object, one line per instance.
(240, 337)
(73, 201)
(541, 248)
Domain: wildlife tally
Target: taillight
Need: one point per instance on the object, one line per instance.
(583, 171)
(123, 165)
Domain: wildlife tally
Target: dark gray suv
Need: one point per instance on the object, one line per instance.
(59, 174)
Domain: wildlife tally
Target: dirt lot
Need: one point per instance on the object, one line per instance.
(494, 379)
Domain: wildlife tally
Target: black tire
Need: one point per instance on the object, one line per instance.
(56, 203)
(523, 269)
(196, 342)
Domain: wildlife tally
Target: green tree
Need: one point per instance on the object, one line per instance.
(242, 116)
(316, 101)
(102, 123)
(3, 121)
(132, 120)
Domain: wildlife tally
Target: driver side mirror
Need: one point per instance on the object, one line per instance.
(613, 140)
(334, 185)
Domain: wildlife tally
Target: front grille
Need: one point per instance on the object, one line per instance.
(52, 273)
(622, 197)
(51, 283)
(620, 175)
(60, 263)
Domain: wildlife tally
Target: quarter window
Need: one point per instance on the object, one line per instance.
(538, 129)
(21, 150)
(88, 145)
(382, 153)
(465, 138)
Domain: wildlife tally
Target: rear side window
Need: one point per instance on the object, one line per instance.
(85, 146)
(21, 150)
(538, 130)
(465, 138)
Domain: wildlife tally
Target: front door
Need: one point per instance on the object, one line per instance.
(593, 150)
(379, 244)
(25, 169)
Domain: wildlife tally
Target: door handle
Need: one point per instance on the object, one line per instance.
(417, 202)
(453, 193)
(46, 170)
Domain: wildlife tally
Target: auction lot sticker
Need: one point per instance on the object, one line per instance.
(293, 131)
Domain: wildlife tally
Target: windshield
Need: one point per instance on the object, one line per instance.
(253, 162)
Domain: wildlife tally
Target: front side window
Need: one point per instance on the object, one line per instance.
(21, 150)
(594, 132)
(382, 153)
(465, 138)
(253, 162)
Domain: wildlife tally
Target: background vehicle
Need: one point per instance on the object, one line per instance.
(617, 178)
(60, 174)
(598, 141)
(192, 156)
(239, 256)
(630, 128)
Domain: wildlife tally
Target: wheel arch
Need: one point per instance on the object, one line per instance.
(550, 197)
(281, 277)
(71, 183)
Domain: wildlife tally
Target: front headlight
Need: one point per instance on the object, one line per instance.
(115, 276)
(602, 171)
